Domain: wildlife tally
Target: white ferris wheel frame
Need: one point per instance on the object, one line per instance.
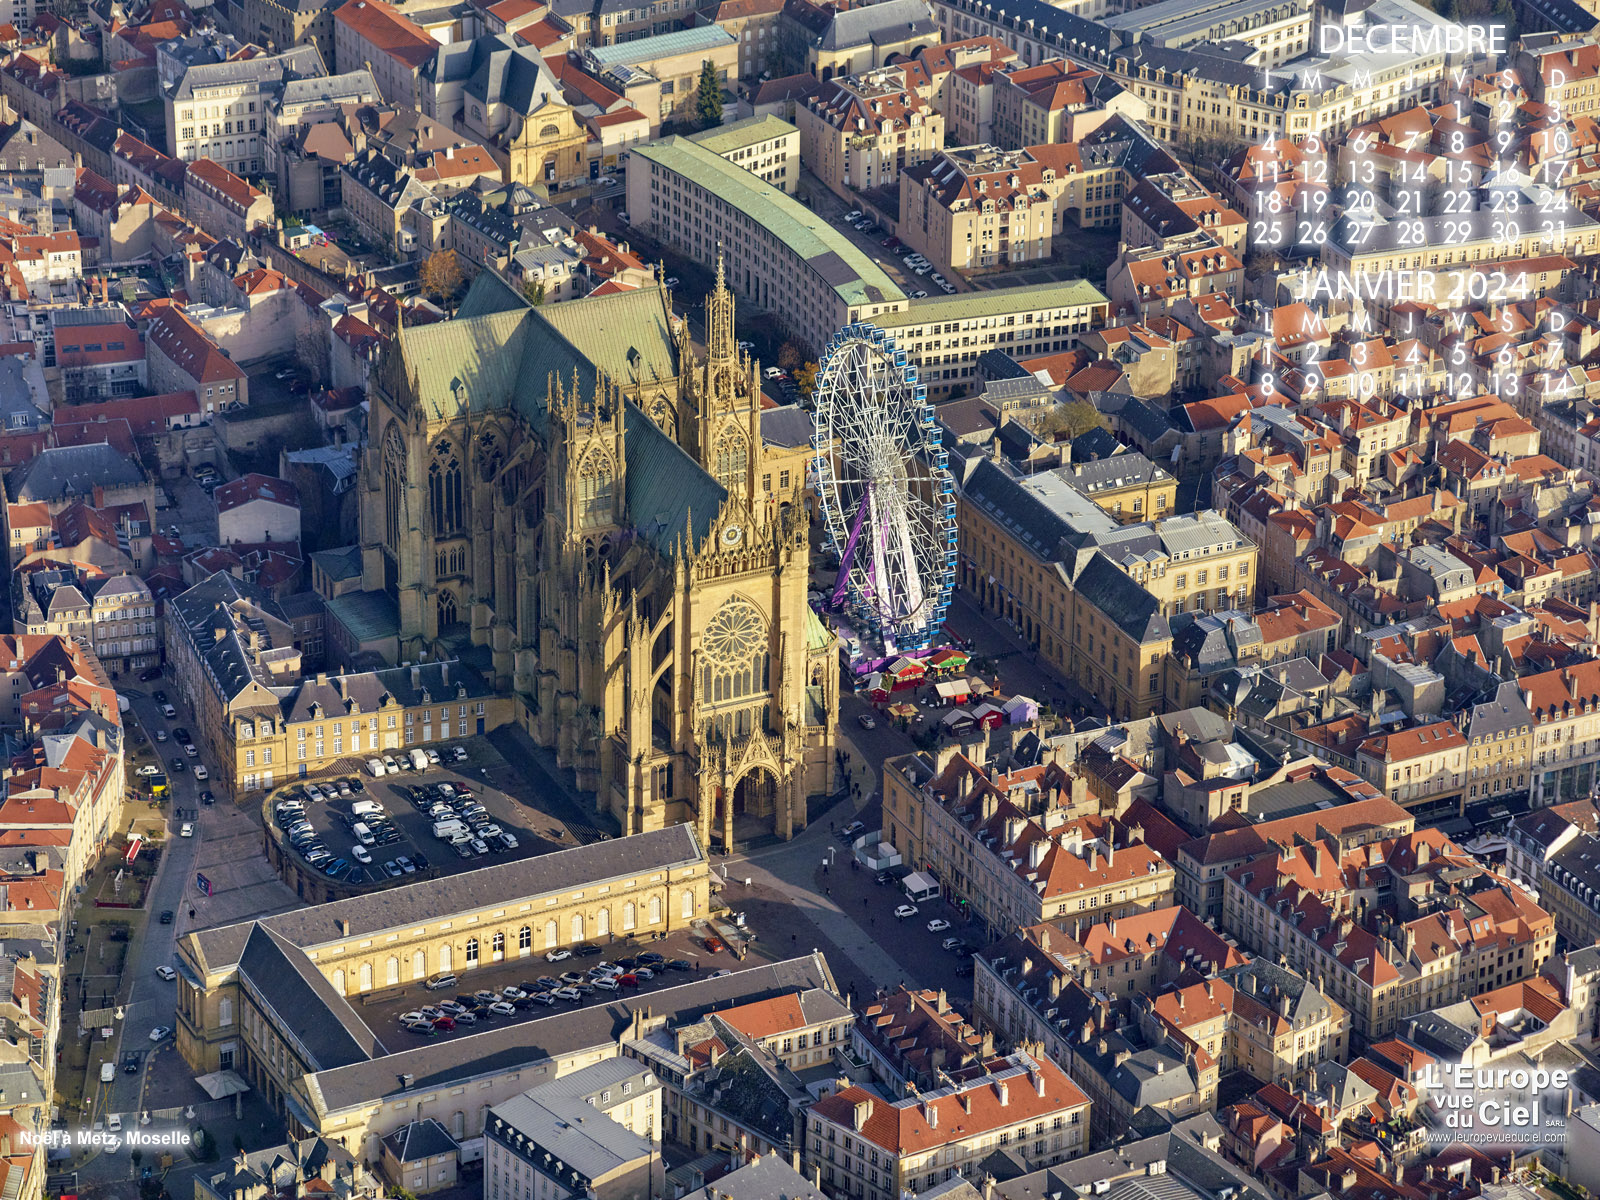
(876, 447)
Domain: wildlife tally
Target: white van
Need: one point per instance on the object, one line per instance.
(448, 830)
(376, 768)
(201, 773)
(419, 760)
(367, 808)
(363, 834)
(108, 1072)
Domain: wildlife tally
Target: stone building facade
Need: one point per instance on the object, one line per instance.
(570, 488)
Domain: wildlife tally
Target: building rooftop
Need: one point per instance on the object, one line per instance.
(854, 277)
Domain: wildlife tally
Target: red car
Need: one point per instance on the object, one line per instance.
(715, 945)
(445, 1023)
(630, 980)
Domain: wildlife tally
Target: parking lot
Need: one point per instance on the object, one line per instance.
(403, 836)
(382, 1011)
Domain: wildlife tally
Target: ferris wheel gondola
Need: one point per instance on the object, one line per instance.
(886, 497)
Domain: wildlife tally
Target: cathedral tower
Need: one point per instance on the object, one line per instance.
(728, 413)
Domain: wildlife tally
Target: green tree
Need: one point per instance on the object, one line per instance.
(1072, 418)
(534, 290)
(708, 100)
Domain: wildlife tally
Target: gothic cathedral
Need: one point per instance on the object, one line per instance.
(571, 499)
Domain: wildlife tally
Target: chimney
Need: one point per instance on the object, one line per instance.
(863, 1113)
(344, 927)
(1003, 1091)
(1038, 1082)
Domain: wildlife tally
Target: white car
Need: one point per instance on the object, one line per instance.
(606, 984)
(558, 956)
(186, 829)
(461, 754)
(503, 1008)
(390, 765)
(853, 215)
(201, 773)
(114, 1123)
(147, 771)
(159, 1032)
(906, 910)
(433, 757)
(361, 854)
(938, 925)
(168, 711)
(167, 973)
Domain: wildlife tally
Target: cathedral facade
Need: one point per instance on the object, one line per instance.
(571, 495)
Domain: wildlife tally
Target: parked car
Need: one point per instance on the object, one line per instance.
(906, 910)
(714, 944)
(952, 944)
(557, 955)
(437, 983)
(159, 1032)
(361, 854)
(867, 721)
(186, 829)
(851, 831)
(166, 972)
(938, 925)
(166, 916)
(589, 950)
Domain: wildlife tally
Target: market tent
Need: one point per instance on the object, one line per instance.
(953, 691)
(903, 710)
(958, 721)
(1020, 710)
(989, 716)
(948, 659)
(906, 671)
(879, 686)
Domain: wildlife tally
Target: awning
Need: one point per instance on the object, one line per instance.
(219, 1085)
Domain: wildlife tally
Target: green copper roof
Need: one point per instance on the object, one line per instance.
(817, 635)
(500, 352)
(964, 306)
(852, 275)
(725, 139)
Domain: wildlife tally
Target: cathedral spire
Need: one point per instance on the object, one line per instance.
(722, 344)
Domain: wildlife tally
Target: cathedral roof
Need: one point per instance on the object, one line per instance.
(500, 352)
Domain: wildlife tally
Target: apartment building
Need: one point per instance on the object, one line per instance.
(980, 208)
(591, 1132)
(1057, 101)
(98, 352)
(1013, 850)
(1258, 1018)
(115, 614)
(862, 132)
(1423, 768)
(375, 36)
(217, 110)
(660, 75)
(1203, 863)
(867, 1146)
(768, 148)
(945, 336)
(180, 358)
(1455, 929)
(779, 254)
(222, 203)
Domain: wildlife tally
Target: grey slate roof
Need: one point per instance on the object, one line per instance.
(788, 425)
(514, 1047)
(419, 1140)
(418, 903)
(267, 70)
(1125, 603)
(583, 1142)
(767, 1178)
(305, 1002)
(886, 21)
(196, 609)
(66, 472)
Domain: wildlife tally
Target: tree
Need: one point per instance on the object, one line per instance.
(1072, 418)
(311, 351)
(534, 290)
(440, 276)
(790, 356)
(805, 379)
(708, 100)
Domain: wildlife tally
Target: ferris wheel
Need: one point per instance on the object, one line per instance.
(887, 500)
